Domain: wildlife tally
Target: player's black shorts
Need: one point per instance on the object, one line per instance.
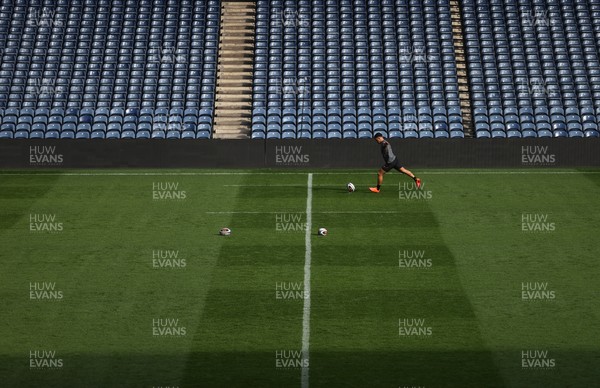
(395, 164)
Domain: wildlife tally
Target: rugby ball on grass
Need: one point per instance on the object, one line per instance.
(225, 232)
(322, 232)
(351, 187)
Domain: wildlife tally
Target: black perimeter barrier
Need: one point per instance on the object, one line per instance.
(307, 154)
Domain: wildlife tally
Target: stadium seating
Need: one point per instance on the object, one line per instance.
(350, 68)
(342, 69)
(534, 68)
(108, 68)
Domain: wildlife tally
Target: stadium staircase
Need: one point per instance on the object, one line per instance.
(461, 68)
(233, 103)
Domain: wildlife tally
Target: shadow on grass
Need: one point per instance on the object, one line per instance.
(327, 369)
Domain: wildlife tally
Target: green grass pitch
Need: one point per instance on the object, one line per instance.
(118, 278)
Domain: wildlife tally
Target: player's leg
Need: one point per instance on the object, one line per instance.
(410, 174)
(380, 175)
(407, 172)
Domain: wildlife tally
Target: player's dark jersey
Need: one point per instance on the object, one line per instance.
(388, 154)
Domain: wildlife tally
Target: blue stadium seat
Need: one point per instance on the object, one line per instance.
(355, 76)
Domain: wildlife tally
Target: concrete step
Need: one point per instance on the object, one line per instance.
(236, 88)
(242, 84)
(234, 97)
(237, 121)
(238, 103)
(232, 43)
(235, 67)
(244, 8)
(238, 18)
(233, 26)
(237, 23)
(228, 59)
(459, 51)
(230, 6)
(232, 61)
(236, 39)
(233, 105)
(232, 89)
(231, 128)
(239, 75)
(240, 113)
(238, 136)
(238, 31)
(233, 46)
(241, 12)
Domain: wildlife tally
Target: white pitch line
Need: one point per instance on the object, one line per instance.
(267, 185)
(453, 172)
(298, 211)
(306, 309)
(283, 185)
(506, 172)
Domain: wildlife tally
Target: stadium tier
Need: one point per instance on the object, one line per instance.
(352, 68)
(533, 66)
(114, 69)
(321, 68)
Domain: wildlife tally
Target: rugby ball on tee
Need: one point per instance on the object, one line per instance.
(322, 232)
(351, 187)
(225, 232)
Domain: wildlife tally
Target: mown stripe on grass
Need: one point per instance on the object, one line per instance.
(238, 318)
(359, 313)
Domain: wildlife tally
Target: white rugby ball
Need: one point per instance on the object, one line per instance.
(322, 232)
(351, 187)
(225, 232)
